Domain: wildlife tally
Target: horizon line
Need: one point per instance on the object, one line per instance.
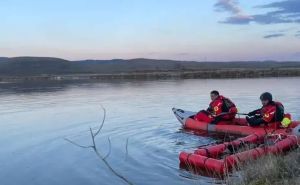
(141, 58)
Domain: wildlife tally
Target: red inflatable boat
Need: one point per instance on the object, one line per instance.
(238, 126)
(216, 160)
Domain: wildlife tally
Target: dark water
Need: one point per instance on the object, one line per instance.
(35, 119)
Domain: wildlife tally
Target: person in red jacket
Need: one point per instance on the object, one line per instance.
(220, 109)
(271, 111)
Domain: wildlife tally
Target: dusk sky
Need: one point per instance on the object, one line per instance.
(201, 30)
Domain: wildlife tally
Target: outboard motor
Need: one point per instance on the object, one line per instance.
(296, 131)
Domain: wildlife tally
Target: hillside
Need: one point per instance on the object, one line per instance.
(32, 68)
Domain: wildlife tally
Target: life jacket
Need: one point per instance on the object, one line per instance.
(273, 112)
(279, 111)
(222, 104)
(228, 106)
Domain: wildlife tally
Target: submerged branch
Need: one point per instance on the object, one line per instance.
(76, 144)
(126, 148)
(109, 150)
(102, 123)
(99, 155)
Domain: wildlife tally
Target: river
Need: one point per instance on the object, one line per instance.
(37, 117)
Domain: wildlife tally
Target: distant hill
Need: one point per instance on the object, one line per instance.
(134, 65)
(31, 66)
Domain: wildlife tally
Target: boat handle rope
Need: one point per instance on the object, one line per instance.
(279, 138)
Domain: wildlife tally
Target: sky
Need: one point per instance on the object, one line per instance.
(199, 30)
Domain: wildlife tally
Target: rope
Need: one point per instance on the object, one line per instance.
(279, 137)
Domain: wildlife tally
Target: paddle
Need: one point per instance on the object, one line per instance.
(226, 113)
(244, 114)
(222, 114)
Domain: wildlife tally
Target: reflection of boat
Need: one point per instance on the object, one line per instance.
(221, 158)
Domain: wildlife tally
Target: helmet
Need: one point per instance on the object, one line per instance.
(266, 96)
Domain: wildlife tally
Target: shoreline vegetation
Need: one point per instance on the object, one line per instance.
(270, 170)
(213, 74)
(44, 68)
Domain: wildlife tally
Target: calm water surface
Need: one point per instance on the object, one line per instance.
(35, 118)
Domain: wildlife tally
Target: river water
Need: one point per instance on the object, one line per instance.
(146, 138)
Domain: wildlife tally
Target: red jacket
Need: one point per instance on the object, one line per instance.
(268, 112)
(222, 104)
(273, 112)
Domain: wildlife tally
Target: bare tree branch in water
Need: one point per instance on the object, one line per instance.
(99, 155)
(109, 151)
(126, 149)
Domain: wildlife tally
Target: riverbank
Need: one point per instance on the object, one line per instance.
(271, 170)
(188, 74)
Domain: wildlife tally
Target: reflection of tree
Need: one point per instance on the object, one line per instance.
(103, 158)
(28, 87)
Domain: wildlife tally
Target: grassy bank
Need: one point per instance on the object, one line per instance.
(186, 74)
(270, 170)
